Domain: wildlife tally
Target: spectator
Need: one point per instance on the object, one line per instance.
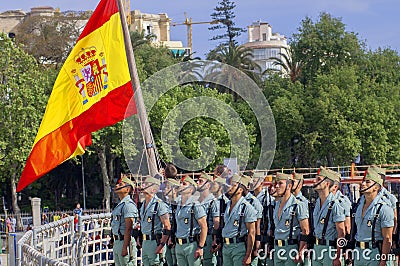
(78, 210)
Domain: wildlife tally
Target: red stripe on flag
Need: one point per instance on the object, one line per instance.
(64, 140)
(101, 15)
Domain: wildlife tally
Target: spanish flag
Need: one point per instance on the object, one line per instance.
(92, 91)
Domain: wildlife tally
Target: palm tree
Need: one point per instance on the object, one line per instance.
(288, 63)
(139, 38)
(239, 57)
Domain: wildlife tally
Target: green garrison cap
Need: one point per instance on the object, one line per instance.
(374, 176)
(241, 179)
(206, 176)
(330, 174)
(220, 180)
(189, 180)
(152, 180)
(128, 181)
(258, 175)
(173, 182)
(282, 176)
(377, 169)
(297, 176)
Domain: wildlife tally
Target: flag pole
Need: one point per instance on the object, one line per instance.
(140, 107)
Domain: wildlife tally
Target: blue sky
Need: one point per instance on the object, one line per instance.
(375, 21)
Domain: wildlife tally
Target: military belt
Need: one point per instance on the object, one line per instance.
(367, 245)
(231, 240)
(325, 242)
(286, 242)
(151, 237)
(182, 241)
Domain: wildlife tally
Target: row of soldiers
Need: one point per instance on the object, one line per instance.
(216, 220)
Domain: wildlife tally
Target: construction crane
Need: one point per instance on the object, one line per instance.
(127, 7)
(189, 22)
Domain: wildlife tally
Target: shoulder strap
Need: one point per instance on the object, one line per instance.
(374, 223)
(173, 226)
(222, 207)
(265, 215)
(326, 219)
(209, 210)
(241, 214)
(191, 220)
(271, 217)
(120, 219)
(293, 214)
(353, 229)
(155, 210)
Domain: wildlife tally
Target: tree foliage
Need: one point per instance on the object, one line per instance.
(225, 15)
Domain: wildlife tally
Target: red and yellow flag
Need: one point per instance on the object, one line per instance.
(92, 91)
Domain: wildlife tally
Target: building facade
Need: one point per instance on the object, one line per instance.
(265, 44)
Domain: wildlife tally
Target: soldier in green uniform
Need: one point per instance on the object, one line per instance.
(191, 225)
(345, 202)
(124, 216)
(328, 220)
(259, 209)
(211, 207)
(238, 233)
(266, 201)
(375, 221)
(291, 220)
(154, 223)
(171, 188)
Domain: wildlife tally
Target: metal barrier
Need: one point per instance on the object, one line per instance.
(64, 243)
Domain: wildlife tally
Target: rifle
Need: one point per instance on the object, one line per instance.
(312, 238)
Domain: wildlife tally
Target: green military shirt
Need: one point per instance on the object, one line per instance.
(211, 207)
(147, 214)
(232, 218)
(337, 215)
(364, 224)
(282, 223)
(344, 201)
(126, 208)
(183, 217)
(255, 203)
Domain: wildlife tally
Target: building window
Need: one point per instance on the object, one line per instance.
(264, 37)
(259, 54)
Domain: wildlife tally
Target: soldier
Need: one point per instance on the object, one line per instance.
(154, 223)
(345, 202)
(191, 225)
(375, 221)
(218, 188)
(328, 217)
(259, 208)
(291, 218)
(298, 181)
(239, 230)
(211, 207)
(124, 216)
(266, 201)
(171, 188)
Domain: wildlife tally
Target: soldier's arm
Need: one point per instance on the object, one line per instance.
(341, 230)
(127, 235)
(347, 224)
(387, 243)
(251, 231)
(166, 227)
(305, 231)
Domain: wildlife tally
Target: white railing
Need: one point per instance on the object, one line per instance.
(62, 243)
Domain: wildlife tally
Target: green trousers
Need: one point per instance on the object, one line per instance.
(128, 260)
(324, 255)
(283, 256)
(149, 258)
(233, 254)
(210, 259)
(170, 256)
(185, 254)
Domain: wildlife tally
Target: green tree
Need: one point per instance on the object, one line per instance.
(22, 103)
(324, 44)
(50, 40)
(225, 15)
(289, 64)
